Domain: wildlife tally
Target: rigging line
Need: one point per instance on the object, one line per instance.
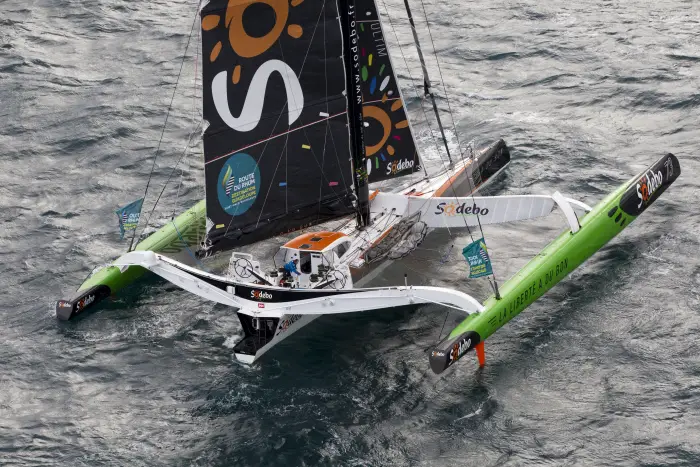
(416, 154)
(426, 79)
(447, 98)
(454, 193)
(447, 314)
(328, 122)
(388, 219)
(187, 247)
(410, 75)
(442, 80)
(89, 274)
(179, 185)
(446, 169)
(271, 137)
(170, 176)
(165, 124)
(323, 163)
(269, 188)
(342, 224)
(325, 133)
(459, 145)
(194, 120)
(201, 233)
(335, 150)
(262, 153)
(447, 311)
(313, 153)
(265, 118)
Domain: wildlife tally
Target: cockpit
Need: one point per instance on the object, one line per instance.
(319, 255)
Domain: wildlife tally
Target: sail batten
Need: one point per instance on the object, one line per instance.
(275, 99)
(329, 117)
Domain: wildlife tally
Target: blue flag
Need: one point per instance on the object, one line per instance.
(129, 216)
(477, 256)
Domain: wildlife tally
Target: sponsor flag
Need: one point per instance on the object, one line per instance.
(477, 256)
(129, 216)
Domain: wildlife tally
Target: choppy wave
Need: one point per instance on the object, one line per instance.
(602, 371)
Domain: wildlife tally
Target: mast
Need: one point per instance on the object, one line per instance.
(354, 96)
(426, 79)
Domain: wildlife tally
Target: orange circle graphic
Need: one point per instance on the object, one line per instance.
(370, 111)
(245, 45)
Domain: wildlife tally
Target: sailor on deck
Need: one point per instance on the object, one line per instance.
(291, 267)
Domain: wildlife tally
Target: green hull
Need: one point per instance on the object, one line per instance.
(177, 238)
(557, 260)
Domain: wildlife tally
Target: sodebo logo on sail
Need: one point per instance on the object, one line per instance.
(452, 209)
(253, 104)
(395, 167)
(246, 46)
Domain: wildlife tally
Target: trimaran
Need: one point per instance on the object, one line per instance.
(305, 116)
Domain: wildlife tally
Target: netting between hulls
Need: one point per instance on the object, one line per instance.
(401, 240)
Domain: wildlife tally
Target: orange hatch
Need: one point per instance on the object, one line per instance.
(314, 241)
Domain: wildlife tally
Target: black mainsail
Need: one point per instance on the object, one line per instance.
(390, 149)
(276, 150)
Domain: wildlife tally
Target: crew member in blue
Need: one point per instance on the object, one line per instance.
(291, 267)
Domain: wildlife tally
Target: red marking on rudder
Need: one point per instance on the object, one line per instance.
(480, 353)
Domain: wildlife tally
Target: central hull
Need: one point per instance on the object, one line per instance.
(463, 180)
(255, 344)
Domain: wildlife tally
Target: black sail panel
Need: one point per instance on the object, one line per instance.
(276, 149)
(389, 144)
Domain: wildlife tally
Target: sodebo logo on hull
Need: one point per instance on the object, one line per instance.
(452, 209)
(647, 185)
(260, 295)
(459, 348)
(85, 302)
(285, 324)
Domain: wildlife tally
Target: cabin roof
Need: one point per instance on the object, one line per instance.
(314, 241)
